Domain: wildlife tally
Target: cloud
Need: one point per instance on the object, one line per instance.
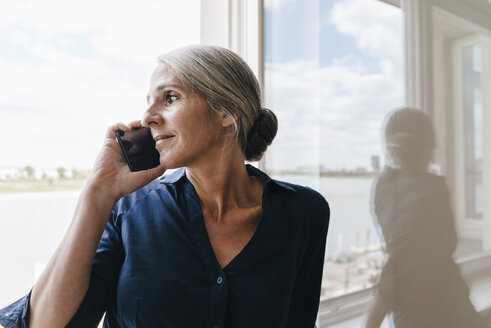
(126, 30)
(332, 116)
(19, 38)
(66, 107)
(378, 33)
(70, 69)
(275, 5)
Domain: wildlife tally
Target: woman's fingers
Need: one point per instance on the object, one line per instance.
(135, 124)
(136, 180)
(152, 173)
(156, 171)
(111, 131)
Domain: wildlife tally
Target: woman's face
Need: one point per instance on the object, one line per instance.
(184, 131)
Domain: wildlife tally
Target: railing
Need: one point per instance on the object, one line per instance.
(476, 270)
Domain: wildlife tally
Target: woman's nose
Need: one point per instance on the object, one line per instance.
(151, 116)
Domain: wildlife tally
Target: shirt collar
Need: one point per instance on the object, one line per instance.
(174, 176)
(251, 170)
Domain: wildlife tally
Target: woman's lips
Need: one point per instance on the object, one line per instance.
(162, 139)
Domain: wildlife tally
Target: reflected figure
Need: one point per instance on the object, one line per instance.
(420, 284)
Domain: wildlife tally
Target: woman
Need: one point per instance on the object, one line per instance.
(420, 283)
(217, 243)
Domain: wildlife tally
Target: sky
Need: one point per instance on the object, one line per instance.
(70, 69)
(332, 89)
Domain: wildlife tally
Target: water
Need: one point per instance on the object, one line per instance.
(33, 224)
(351, 223)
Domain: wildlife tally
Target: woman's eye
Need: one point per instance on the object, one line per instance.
(170, 98)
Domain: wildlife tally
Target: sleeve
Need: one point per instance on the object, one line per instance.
(305, 299)
(16, 314)
(103, 280)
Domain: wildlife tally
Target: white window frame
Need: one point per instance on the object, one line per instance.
(468, 227)
(237, 25)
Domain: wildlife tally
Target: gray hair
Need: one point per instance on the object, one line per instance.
(229, 86)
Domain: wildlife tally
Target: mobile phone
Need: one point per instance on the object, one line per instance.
(138, 148)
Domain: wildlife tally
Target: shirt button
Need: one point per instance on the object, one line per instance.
(219, 281)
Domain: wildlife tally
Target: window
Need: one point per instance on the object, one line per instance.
(332, 73)
(69, 69)
(316, 89)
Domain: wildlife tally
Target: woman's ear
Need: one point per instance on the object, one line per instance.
(228, 120)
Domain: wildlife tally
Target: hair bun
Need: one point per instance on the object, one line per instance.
(261, 134)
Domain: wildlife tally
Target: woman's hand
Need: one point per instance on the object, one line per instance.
(111, 174)
(62, 286)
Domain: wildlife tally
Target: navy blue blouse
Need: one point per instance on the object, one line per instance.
(155, 266)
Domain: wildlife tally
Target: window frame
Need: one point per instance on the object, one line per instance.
(239, 26)
(469, 227)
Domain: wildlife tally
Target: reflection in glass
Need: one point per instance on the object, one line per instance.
(420, 283)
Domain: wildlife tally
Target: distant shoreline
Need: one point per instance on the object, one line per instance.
(50, 185)
(347, 174)
(47, 185)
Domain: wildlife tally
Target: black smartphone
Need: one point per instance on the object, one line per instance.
(138, 148)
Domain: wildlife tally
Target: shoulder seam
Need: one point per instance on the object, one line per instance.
(138, 200)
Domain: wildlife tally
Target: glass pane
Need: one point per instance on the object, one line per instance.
(69, 70)
(332, 73)
(473, 120)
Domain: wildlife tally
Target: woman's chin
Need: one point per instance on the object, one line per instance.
(169, 163)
